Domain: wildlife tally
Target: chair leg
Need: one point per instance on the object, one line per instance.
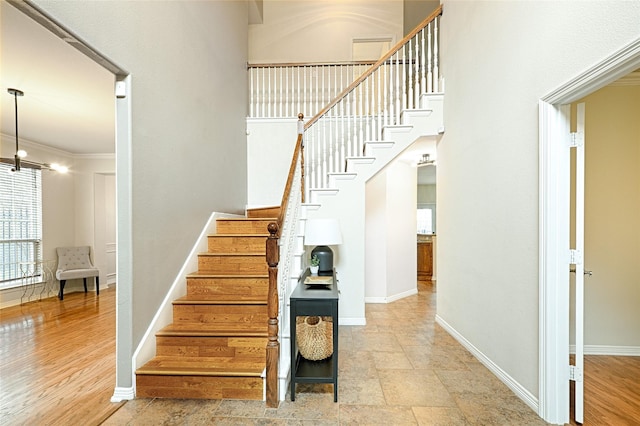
(97, 285)
(84, 280)
(61, 292)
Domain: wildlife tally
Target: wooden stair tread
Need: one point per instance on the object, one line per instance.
(206, 330)
(246, 219)
(231, 254)
(215, 348)
(199, 274)
(203, 366)
(216, 300)
(239, 235)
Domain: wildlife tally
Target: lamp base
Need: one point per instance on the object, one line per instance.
(325, 255)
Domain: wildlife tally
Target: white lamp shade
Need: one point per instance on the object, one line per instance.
(322, 232)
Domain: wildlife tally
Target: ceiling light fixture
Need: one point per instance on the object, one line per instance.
(19, 152)
(18, 161)
(426, 161)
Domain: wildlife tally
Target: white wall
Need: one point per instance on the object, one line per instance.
(376, 238)
(499, 59)
(270, 145)
(426, 194)
(416, 10)
(320, 30)
(612, 224)
(187, 155)
(390, 234)
(104, 235)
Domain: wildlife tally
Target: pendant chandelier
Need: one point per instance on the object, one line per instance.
(20, 154)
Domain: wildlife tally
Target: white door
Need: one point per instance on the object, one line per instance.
(577, 256)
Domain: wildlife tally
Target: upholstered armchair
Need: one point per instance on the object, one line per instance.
(73, 263)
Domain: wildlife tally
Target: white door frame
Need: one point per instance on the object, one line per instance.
(553, 400)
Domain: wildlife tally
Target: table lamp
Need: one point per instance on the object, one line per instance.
(323, 233)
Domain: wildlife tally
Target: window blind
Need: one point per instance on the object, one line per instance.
(20, 220)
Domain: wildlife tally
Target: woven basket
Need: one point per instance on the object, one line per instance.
(314, 336)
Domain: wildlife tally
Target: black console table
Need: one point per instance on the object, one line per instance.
(312, 300)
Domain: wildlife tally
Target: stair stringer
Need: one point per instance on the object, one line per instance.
(295, 272)
(284, 371)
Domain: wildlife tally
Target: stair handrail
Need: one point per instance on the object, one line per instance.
(436, 13)
(377, 99)
(275, 298)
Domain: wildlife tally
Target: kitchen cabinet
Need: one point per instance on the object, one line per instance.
(425, 260)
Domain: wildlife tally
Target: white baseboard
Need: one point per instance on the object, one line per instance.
(608, 350)
(522, 393)
(123, 394)
(352, 321)
(389, 299)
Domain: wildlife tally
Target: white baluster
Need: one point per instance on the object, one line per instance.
(282, 101)
(316, 157)
(380, 76)
(339, 87)
(423, 75)
(397, 89)
(354, 132)
(358, 147)
(429, 59)
(403, 78)
(365, 111)
(263, 92)
(317, 86)
(298, 93)
(436, 77)
(324, 151)
(332, 140)
(349, 109)
(343, 104)
(416, 74)
(269, 93)
(321, 97)
(251, 91)
(385, 93)
(409, 76)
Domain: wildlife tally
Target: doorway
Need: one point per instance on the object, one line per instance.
(124, 376)
(611, 233)
(555, 225)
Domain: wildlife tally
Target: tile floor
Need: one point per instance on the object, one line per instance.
(399, 369)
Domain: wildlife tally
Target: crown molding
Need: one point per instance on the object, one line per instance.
(631, 79)
(26, 143)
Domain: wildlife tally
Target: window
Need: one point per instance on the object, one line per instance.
(426, 215)
(20, 220)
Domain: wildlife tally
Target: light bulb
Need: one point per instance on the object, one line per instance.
(58, 168)
(21, 153)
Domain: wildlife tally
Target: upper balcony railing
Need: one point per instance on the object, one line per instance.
(283, 90)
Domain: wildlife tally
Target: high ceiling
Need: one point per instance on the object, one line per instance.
(68, 101)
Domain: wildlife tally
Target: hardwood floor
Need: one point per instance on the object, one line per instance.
(611, 391)
(57, 367)
(57, 360)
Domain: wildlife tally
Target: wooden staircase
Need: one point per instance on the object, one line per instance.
(216, 346)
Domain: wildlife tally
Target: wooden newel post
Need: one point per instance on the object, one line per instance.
(273, 346)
